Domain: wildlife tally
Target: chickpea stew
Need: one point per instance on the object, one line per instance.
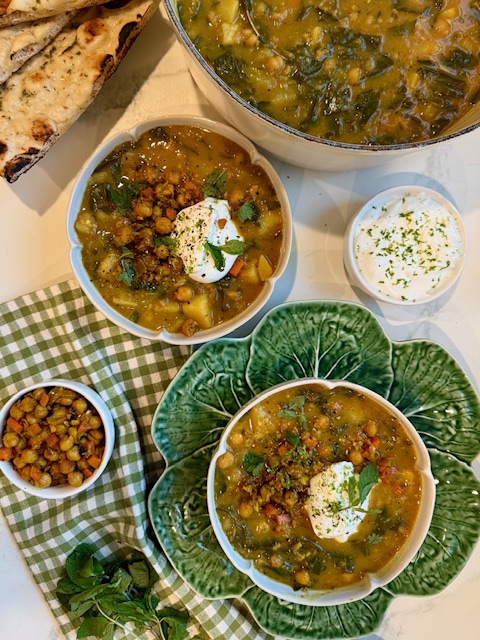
(269, 477)
(180, 230)
(53, 436)
(376, 73)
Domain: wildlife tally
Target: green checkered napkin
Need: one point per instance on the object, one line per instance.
(57, 333)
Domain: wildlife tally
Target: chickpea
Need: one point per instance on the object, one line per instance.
(25, 472)
(173, 176)
(95, 436)
(184, 293)
(302, 577)
(371, 428)
(38, 393)
(236, 438)
(225, 460)
(79, 405)
(10, 439)
(142, 208)
(51, 454)
(16, 412)
(274, 64)
(291, 498)
(73, 453)
(18, 463)
(162, 252)
(44, 481)
(41, 412)
(163, 225)
(31, 418)
(66, 443)
(29, 456)
(189, 327)
(75, 479)
(355, 457)
(276, 561)
(27, 404)
(66, 466)
(95, 422)
(59, 414)
(245, 509)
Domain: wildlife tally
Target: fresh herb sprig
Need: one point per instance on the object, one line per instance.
(215, 184)
(295, 410)
(112, 596)
(233, 247)
(358, 490)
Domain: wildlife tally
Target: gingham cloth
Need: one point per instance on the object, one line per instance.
(57, 333)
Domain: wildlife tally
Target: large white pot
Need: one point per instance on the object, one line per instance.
(287, 143)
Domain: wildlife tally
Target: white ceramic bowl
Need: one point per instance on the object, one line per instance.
(61, 492)
(76, 248)
(287, 143)
(371, 581)
(364, 279)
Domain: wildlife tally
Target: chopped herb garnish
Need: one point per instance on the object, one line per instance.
(127, 273)
(247, 211)
(253, 463)
(215, 183)
(292, 438)
(217, 255)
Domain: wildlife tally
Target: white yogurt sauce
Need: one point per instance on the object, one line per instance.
(408, 246)
(206, 221)
(328, 503)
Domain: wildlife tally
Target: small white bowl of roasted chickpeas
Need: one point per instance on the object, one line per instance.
(56, 438)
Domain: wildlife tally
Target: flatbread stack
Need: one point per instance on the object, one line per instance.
(55, 56)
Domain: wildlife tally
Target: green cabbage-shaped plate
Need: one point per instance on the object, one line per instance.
(334, 340)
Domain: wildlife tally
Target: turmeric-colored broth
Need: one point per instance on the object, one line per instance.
(373, 72)
(126, 218)
(262, 483)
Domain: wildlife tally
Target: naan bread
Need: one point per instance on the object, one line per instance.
(22, 41)
(15, 11)
(40, 101)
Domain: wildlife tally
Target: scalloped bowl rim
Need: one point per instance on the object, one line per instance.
(81, 274)
(64, 491)
(371, 581)
(349, 240)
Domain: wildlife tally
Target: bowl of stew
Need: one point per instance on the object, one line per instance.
(179, 229)
(336, 85)
(320, 491)
(56, 438)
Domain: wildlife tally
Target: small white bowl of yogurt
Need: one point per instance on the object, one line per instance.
(407, 245)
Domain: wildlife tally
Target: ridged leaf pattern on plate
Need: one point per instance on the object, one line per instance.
(333, 340)
(179, 514)
(317, 623)
(431, 389)
(201, 399)
(452, 534)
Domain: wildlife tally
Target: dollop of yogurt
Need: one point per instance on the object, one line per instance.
(328, 503)
(408, 246)
(208, 221)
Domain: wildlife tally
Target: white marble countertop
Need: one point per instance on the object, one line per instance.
(153, 80)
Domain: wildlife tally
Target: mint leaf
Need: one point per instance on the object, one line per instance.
(216, 254)
(233, 247)
(127, 253)
(253, 464)
(127, 273)
(173, 623)
(297, 402)
(215, 183)
(368, 479)
(247, 211)
(292, 438)
(286, 413)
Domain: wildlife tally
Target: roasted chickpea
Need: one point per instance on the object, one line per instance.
(29, 456)
(79, 405)
(75, 479)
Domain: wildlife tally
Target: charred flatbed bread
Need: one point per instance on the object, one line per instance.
(22, 41)
(15, 11)
(44, 98)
